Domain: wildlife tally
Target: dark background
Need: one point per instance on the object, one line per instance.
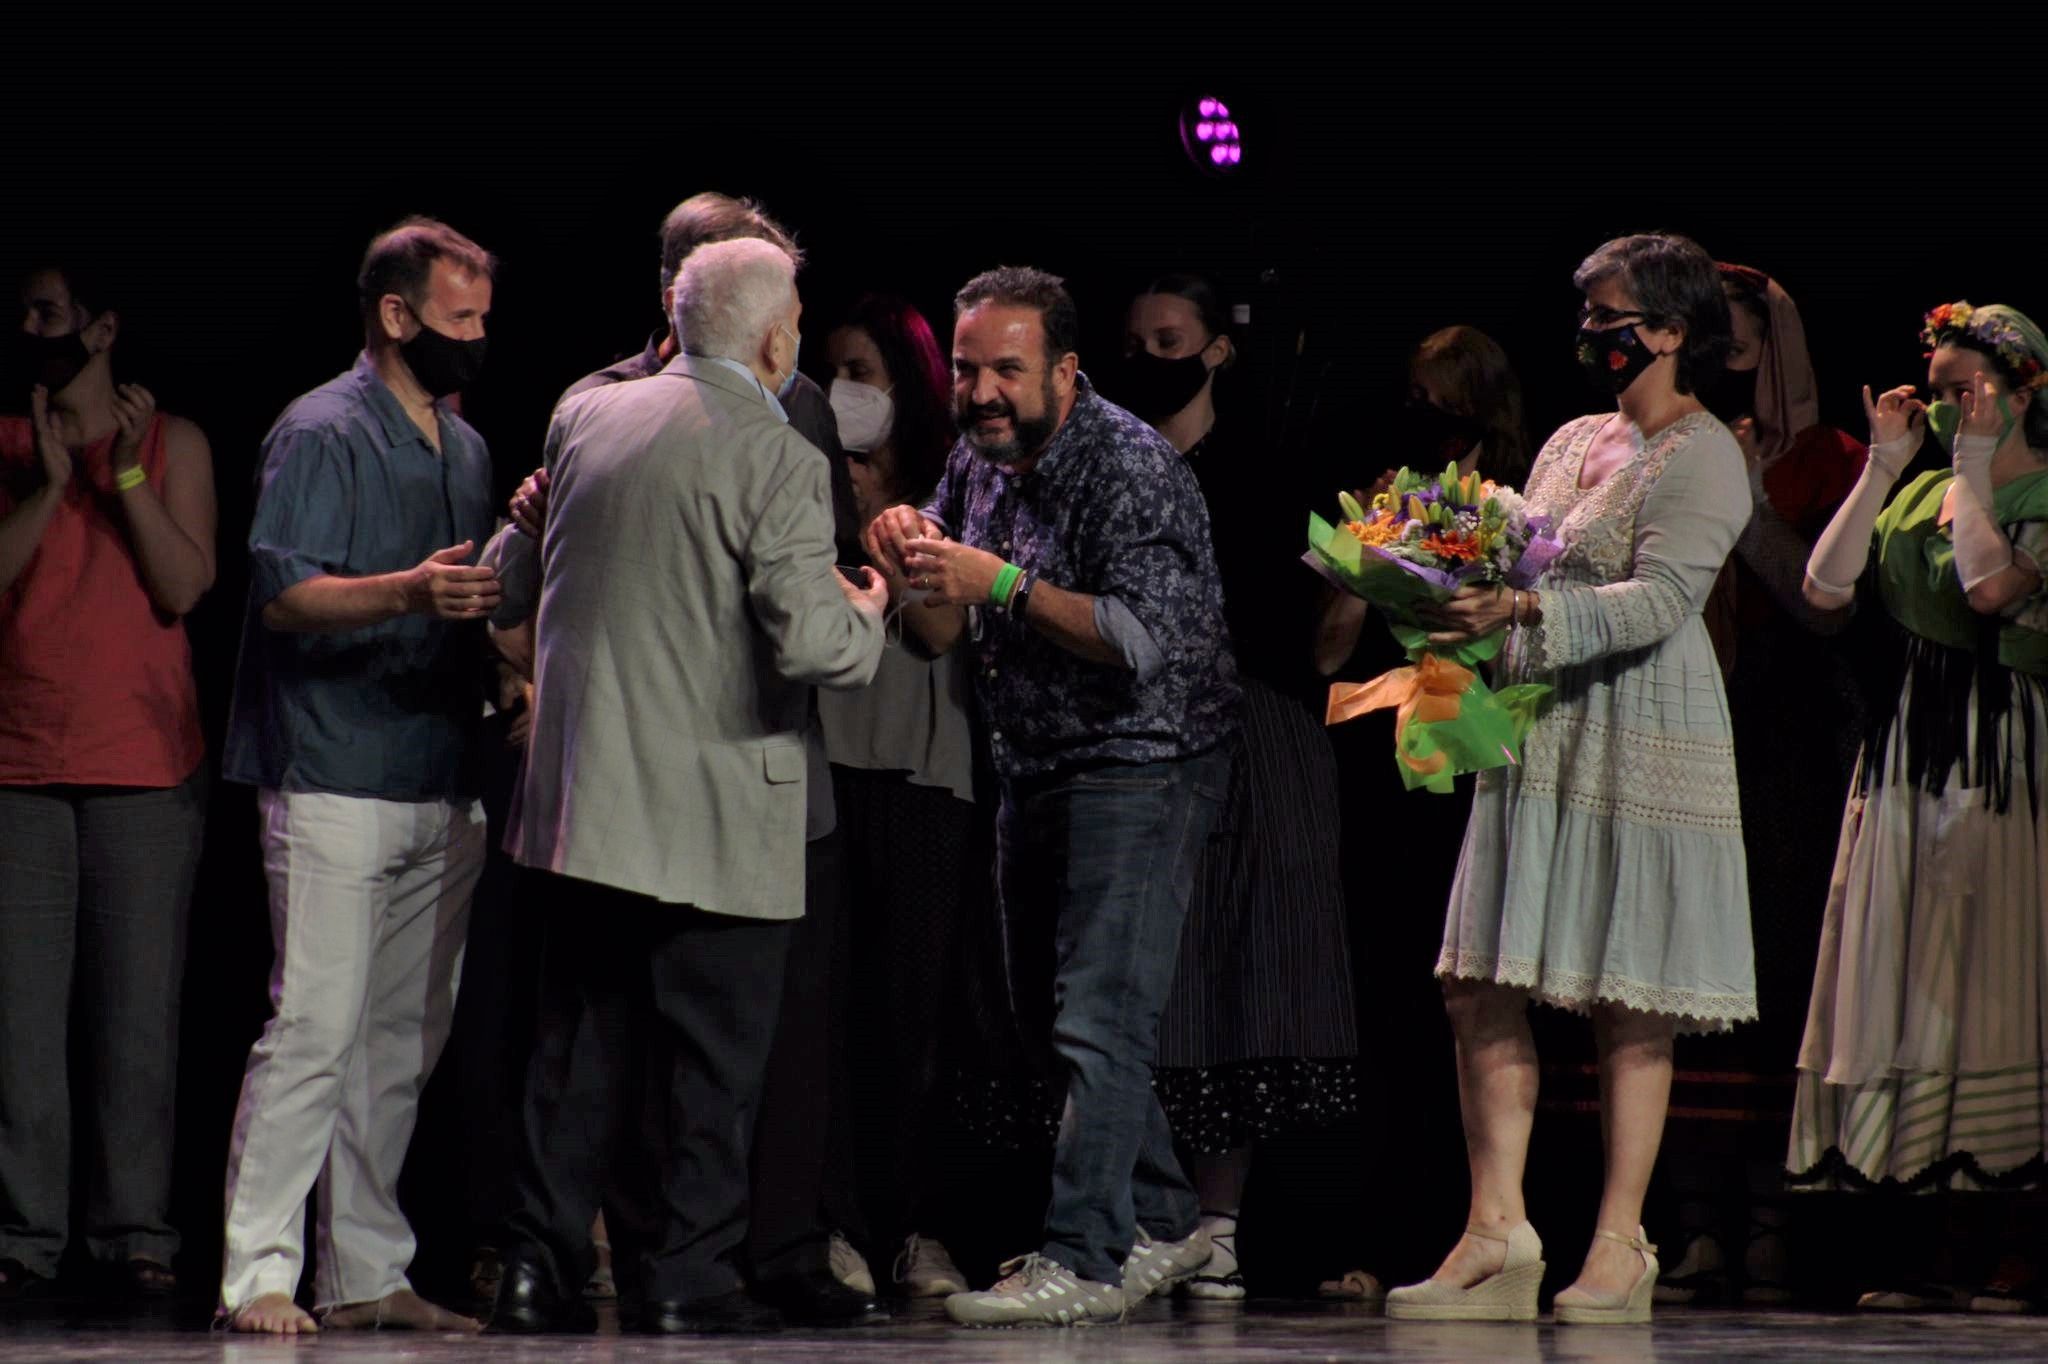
(1399, 175)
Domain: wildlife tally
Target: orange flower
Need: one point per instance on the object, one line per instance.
(1378, 531)
(1453, 547)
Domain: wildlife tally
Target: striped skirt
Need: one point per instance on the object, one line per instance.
(1925, 1060)
(1260, 1034)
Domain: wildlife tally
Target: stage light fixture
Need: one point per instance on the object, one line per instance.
(1210, 136)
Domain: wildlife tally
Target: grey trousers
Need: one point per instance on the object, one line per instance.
(95, 886)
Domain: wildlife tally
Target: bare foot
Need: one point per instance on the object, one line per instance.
(404, 1310)
(1610, 1271)
(1470, 1261)
(1357, 1285)
(273, 1314)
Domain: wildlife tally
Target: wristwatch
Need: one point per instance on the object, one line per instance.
(1021, 594)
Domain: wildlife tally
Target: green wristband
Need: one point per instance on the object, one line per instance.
(1006, 582)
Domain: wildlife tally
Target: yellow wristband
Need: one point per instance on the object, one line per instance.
(130, 478)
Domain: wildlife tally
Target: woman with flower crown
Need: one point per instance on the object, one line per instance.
(1924, 1059)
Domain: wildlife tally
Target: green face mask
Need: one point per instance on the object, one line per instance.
(1945, 419)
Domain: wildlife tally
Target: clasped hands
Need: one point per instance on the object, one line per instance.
(1473, 612)
(914, 553)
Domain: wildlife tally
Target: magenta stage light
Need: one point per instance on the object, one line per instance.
(1210, 136)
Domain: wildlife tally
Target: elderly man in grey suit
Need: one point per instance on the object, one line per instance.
(688, 601)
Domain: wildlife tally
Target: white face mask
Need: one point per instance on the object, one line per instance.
(865, 413)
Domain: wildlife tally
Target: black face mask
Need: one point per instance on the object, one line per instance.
(1613, 358)
(1155, 387)
(1732, 395)
(52, 361)
(1426, 437)
(442, 364)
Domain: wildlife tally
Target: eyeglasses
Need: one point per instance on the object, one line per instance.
(1605, 319)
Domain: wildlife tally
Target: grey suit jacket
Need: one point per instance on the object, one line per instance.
(687, 605)
(517, 558)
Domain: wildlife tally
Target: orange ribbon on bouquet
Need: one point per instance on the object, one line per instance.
(1429, 691)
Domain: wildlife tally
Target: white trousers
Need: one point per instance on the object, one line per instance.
(369, 904)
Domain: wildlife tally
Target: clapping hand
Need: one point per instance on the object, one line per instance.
(134, 407)
(1744, 431)
(49, 439)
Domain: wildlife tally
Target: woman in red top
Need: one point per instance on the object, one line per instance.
(106, 540)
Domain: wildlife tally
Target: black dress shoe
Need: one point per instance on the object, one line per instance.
(19, 1283)
(815, 1297)
(135, 1281)
(528, 1305)
(734, 1313)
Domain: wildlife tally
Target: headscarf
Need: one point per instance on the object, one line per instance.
(1787, 405)
(2007, 333)
(1787, 396)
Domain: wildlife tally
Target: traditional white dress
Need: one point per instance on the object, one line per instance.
(1609, 866)
(1926, 1051)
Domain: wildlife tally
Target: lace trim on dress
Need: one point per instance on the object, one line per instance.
(1639, 776)
(1696, 1010)
(1598, 524)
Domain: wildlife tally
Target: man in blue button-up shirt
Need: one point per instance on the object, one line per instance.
(1078, 540)
(356, 699)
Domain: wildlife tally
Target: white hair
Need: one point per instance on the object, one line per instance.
(728, 295)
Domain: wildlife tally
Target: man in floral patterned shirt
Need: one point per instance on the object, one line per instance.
(1070, 542)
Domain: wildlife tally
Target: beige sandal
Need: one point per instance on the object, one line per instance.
(1631, 1309)
(1507, 1295)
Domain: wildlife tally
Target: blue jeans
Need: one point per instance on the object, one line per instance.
(1095, 869)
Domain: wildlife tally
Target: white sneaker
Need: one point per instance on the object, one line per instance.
(1040, 1292)
(1219, 1279)
(849, 1266)
(925, 1270)
(1154, 1266)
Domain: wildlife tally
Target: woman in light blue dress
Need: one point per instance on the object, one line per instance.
(1604, 875)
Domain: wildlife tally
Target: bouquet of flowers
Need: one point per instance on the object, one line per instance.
(1419, 542)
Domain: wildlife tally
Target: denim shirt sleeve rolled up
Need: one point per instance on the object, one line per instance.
(351, 488)
(302, 523)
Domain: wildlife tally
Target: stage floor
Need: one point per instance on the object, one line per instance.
(1262, 1333)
